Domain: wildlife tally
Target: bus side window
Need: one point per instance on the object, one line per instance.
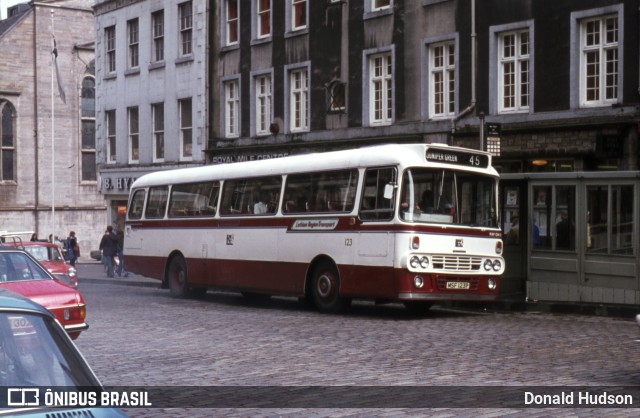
(254, 196)
(157, 203)
(136, 204)
(297, 188)
(374, 206)
(320, 192)
(190, 200)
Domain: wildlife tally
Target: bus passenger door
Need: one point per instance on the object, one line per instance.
(515, 220)
(375, 253)
(373, 265)
(132, 238)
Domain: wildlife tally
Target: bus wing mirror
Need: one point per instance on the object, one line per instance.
(388, 191)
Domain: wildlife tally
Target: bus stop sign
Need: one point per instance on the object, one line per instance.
(494, 131)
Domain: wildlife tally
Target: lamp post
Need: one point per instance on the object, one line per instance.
(481, 116)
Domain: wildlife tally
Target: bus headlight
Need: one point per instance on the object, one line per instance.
(418, 282)
(424, 262)
(488, 265)
(414, 262)
(491, 283)
(497, 265)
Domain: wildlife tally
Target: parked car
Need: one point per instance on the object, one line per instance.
(35, 354)
(50, 256)
(96, 255)
(21, 273)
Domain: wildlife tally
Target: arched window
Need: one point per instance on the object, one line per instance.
(336, 96)
(88, 123)
(8, 145)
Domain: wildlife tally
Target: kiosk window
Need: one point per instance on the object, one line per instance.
(554, 217)
(609, 228)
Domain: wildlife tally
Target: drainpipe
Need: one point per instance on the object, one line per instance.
(474, 57)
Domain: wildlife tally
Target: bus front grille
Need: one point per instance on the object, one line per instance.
(456, 263)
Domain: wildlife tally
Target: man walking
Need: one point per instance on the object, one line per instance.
(120, 250)
(109, 247)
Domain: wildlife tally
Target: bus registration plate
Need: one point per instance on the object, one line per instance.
(458, 285)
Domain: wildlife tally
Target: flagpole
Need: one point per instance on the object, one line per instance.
(53, 154)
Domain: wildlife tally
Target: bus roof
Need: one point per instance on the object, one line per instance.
(406, 155)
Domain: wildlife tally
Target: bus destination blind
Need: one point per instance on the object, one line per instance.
(457, 158)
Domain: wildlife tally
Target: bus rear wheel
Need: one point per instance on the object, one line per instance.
(325, 289)
(177, 278)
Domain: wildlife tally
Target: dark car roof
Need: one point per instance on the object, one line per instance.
(13, 301)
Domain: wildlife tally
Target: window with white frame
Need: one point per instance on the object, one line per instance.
(134, 134)
(298, 14)
(299, 100)
(442, 79)
(157, 113)
(514, 71)
(263, 18)
(263, 104)
(132, 39)
(380, 89)
(380, 5)
(157, 34)
(185, 13)
(111, 136)
(186, 129)
(110, 48)
(376, 8)
(231, 109)
(599, 60)
(232, 22)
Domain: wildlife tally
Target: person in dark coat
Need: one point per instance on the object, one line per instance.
(120, 269)
(109, 248)
(71, 247)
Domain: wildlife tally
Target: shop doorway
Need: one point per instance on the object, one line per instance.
(516, 236)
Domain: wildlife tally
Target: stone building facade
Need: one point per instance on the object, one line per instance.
(151, 92)
(48, 181)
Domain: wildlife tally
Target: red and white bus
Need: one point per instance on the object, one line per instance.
(413, 223)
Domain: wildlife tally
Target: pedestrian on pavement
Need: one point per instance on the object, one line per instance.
(109, 248)
(120, 249)
(72, 249)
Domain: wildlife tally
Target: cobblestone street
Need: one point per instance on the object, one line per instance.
(140, 336)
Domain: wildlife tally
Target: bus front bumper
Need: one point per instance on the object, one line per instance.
(445, 296)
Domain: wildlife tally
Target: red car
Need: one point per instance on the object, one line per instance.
(51, 258)
(21, 273)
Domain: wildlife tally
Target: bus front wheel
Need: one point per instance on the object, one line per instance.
(325, 288)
